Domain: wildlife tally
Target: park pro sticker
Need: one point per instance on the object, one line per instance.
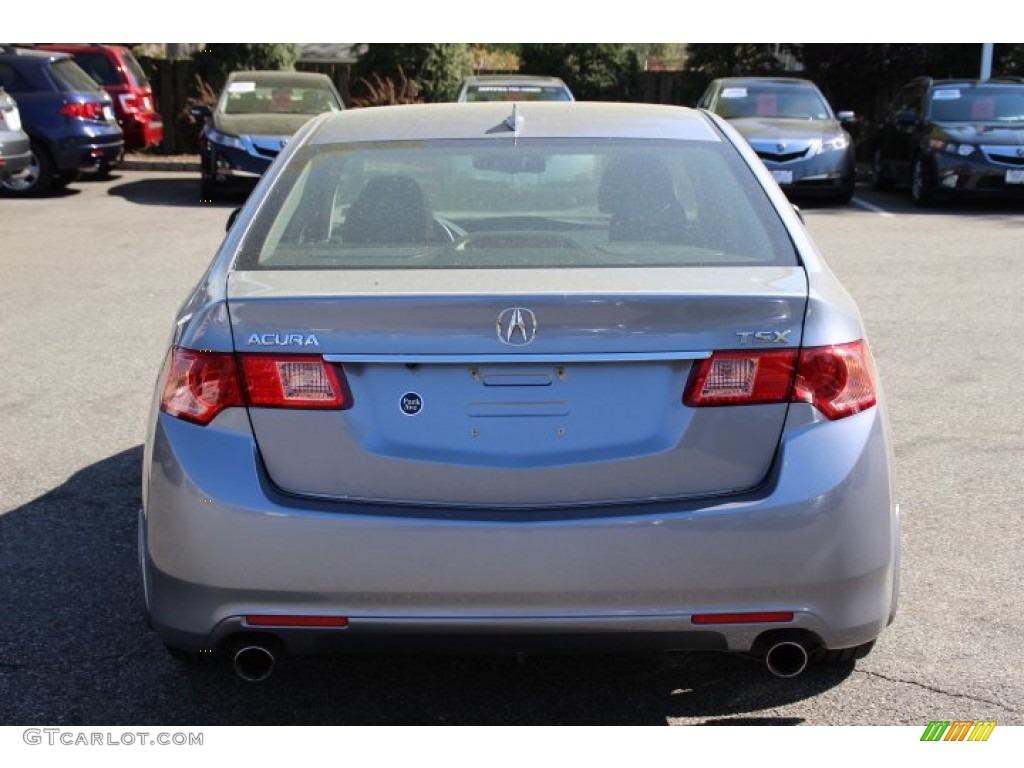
(411, 403)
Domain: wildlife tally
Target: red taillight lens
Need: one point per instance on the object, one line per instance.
(742, 618)
(293, 381)
(741, 378)
(199, 385)
(838, 380)
(88, 111)
(271, 620)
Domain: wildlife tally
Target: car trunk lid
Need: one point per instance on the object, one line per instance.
(517, 388)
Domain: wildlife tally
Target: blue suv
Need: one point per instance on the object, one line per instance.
(68, 117)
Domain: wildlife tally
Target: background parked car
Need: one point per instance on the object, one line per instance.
(255, 116)
(115, 68)
(514, 88)
(948, 138)
(14, 142)
(794, 131)
(68, 117)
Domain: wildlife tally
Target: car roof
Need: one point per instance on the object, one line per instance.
(31, 54)
(783, 81)
(520, 79)
(969, 83)
(279, 77)
(479, 120)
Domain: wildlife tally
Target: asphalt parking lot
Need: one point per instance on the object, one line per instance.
(89, 283)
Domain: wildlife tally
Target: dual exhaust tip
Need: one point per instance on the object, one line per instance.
(255, 663)
(786, 658)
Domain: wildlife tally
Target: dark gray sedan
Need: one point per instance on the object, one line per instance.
(15, 147)
(793, 130)
(518, 376)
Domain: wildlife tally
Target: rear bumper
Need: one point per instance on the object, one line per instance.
(820, 540)
(141, 131)
(93, 150)
(15, 154)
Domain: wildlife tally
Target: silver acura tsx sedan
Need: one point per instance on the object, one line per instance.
(518, 377)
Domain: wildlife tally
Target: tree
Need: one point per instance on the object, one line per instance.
(1008, 59)
(864, 76)
(215, 61)
(732, 59)
(593, 71)
(436, 69)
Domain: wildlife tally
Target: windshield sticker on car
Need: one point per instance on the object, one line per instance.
(242, 87)
(508, 88)
(946, 94)
(734, 93)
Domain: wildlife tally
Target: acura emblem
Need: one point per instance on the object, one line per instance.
(1020, 152)
(781, 147)
(516, 326)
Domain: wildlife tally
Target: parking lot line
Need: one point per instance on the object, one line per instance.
(871, 207)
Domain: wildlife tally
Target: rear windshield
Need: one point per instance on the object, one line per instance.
(99, 68)
(135, 69)
(71, 77)
(516, 93)
(795, 102)
(974, 104)
(504, 204)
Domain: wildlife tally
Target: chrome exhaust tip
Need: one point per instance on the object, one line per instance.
(254, 663)
(786, 659)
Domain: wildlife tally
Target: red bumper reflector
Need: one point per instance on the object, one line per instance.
(297, 621)
(741, 618)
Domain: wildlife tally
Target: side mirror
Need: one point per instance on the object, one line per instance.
(846, 116)
(201, 111)
(231, 219)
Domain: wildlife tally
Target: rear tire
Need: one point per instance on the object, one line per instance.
(36, 179)
(64, 178)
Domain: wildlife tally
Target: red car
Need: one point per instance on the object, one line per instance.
(117, 71)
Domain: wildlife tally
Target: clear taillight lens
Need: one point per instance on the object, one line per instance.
(742, 378)
(293, 381)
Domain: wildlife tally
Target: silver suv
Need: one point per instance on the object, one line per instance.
(14, 142)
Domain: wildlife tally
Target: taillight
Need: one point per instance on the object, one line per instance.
(742, 378)
(87, 111)
(134, 102)
(838, 380)
(293, 381)
(200, 385)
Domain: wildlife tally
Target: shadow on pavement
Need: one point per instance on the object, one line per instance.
(172, 190)
(899, 202)
(75, 651)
